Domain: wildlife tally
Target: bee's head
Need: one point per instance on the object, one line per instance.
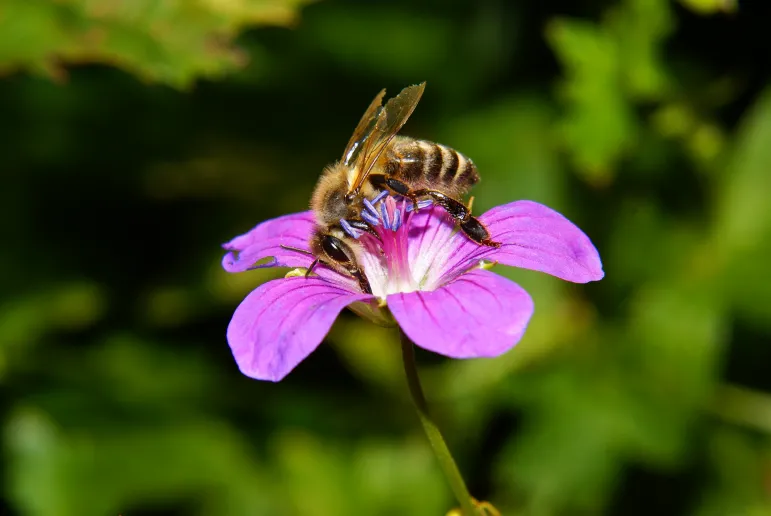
(353, 196)
(336, 205)
(329, 198)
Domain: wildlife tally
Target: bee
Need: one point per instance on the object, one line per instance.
(376, 160)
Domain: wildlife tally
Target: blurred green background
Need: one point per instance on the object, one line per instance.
(137, 135)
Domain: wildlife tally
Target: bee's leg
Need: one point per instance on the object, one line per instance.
(469, 224)
(361, 278)
(340, 253)
(477, 232)
(351, 269)
(394, 185)
(312, 266)
(377, 180)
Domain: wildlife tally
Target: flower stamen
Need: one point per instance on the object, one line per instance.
(423, 203)
(380, 196)
(397, 222)
(352, 231)
(369, 207)
(373, 220)
(384, 216)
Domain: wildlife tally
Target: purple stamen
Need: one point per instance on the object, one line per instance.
(425, 203)
(373, 220)
(397, 222)
(379, 197)
(384, 216)
(370, 208)
(352, 231)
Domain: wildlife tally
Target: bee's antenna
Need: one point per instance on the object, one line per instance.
(297, 249)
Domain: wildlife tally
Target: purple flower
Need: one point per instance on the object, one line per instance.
(431, 277)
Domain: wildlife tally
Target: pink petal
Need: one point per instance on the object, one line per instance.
(265, 241)
(431, 243)
(535, 237)
(480, 314)
(282, 322)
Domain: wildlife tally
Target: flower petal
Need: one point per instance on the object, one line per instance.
(265, 240)
(281, 322)
(535, 237)
(480, 314)
(431, 243)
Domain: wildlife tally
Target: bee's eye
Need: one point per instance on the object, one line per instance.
(350, 197)
(335, 249)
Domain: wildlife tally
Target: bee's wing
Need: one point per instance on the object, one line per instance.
(363, 130)
(390, 120)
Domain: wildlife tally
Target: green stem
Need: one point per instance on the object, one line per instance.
(432, 431)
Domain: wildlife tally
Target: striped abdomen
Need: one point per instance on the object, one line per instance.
(423, 164)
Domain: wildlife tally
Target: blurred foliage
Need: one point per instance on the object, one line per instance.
(647, 122)
(168, 41)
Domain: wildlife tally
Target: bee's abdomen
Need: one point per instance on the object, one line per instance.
(433, 164)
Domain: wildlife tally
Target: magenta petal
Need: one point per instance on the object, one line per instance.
(534, 237)
(265, 241)
(537, 237)
(281, 322)
(480, 314)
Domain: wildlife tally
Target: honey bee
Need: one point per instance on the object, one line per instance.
(377, 160)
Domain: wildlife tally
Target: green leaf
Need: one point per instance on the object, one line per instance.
(168, 42)
(741, 239)
(743, 210)
(639, 28)
(609, 67)
(599, 125)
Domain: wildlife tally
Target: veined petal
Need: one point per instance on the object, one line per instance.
(265, 240)
(431, 244)
(532, 236)
(479, 314)
(281, 322)
(536, 237)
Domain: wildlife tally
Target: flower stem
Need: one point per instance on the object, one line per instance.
(442, 452)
